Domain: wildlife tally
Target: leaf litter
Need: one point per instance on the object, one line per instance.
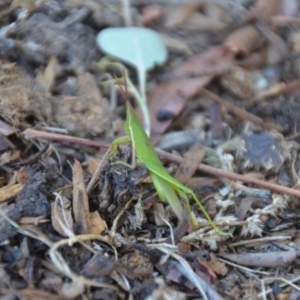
(75, 225)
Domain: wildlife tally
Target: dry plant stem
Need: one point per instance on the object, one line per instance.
(34, 134)
(273, 38)
(32, 159)
(292, 86)
(258, 241)
(96, 175)
(126, 12)
(31, 134)
(282, 21)
(214, 71)
(33, 220)
(241, 113)
(245, 269)
(282, 285)
(234, 176)
(115, 222)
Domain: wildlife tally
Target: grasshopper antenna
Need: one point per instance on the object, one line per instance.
(124, 92)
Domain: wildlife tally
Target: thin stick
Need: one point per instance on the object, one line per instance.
(34, 134)
(244, 115)
(234, 176)
(31, 134)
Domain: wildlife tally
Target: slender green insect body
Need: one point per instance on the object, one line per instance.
(147, 155)
(167, 187)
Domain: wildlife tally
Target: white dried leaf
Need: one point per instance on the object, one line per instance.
(254, 226)
(279, 202)
(211, 243)
(224, 191)
(226, 159)
(224, 204)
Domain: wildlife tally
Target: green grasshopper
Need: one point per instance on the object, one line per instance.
(166, 186)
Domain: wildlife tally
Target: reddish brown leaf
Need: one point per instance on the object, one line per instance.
(171, 96)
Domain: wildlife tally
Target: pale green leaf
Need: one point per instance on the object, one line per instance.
(141, 48)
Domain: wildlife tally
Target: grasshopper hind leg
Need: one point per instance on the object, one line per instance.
(188, 206)
(184, 195)
(166, 192)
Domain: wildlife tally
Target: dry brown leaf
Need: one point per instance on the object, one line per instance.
(159, 213)
(72, 290)
(171, 96)
(22, 176)
(13, 179)
(66, 190)
(177, 15)
(9, 156)
(218, 266)
(240, 82)
(266, 9)
(10, 191)
(244, 41)
(197, 182)
(28, 6)
(199, 23)
(80, 200)
(190, 163)
(151, 13)
(47, 77)
(243, 208)
(6, 129)
(134, 265)
(216, 120)
(203, 268)
(61, 218)
(176, 45)
(139, 217)
(184, 247)
(98, 225)
(91, 164)
(33, 220)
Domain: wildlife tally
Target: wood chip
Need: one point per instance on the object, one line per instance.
(80, 200)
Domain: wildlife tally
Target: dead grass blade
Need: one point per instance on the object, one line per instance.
(9, 191)
(80, 200)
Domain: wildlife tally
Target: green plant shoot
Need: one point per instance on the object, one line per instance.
(166, 186)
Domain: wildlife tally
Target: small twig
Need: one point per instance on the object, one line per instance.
(34, 134)
(213, 71)
(31, 134)
(113, 230)
(234, 176)
(282, 285)
(126, 13)
(32, 159)
(96, 175)
(267, 239)
(244, 115)
(248, 270)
